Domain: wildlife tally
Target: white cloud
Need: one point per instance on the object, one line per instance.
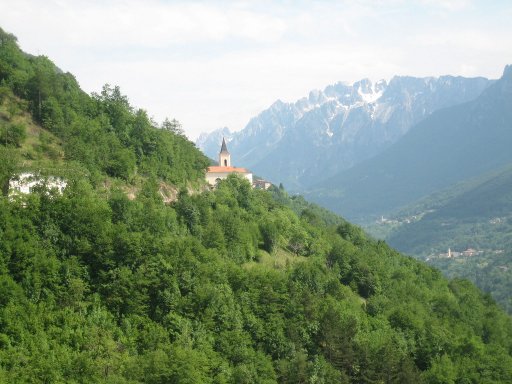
(449, 5)
(458, 39)
(149, 23)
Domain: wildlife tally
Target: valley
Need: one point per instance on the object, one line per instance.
(465, 230)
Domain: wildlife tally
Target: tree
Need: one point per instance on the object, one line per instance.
(270, 234)
(8, 162)
(121, 163)
(41, 85)
(12, 134)
(173, 126)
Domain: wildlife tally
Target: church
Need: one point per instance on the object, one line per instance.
(219, 172)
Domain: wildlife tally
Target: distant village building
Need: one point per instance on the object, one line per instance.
(467, 253)
(470, 252)
(219, 172)
(24, 183)
(261, 184)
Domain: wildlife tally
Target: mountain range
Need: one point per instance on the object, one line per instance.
(449, 146)
(306, 142)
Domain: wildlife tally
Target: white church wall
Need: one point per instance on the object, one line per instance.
(25, 182)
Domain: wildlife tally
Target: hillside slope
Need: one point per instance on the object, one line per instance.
(233, 285)
(486, 208)
(102, 132)
(451, 145)
(476, 216)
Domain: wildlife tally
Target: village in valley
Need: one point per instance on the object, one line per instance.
(384, 226)
(469, 252)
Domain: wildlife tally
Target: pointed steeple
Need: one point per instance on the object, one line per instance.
(224, 156)
(223, 147)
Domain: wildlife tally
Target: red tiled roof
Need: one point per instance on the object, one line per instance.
(216, 168)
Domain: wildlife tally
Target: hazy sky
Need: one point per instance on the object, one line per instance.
(218, 63)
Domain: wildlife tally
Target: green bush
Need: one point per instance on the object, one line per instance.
(12, 134)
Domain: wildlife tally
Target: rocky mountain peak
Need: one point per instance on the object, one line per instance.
(327, 131)
(507, 72)
(506, 80)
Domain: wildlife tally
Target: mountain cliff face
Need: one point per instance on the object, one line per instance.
(303, 143)
(452, 145)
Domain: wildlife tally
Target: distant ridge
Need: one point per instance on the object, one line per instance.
(486, 203)
(303, 143)
(451, 145)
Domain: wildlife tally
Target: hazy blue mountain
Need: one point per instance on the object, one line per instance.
(303, 143)
(210, 142)
(477, 216)
(451, 145)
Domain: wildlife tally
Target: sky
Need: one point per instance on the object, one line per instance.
(212, 64)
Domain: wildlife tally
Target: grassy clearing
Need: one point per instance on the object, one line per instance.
(38, 149)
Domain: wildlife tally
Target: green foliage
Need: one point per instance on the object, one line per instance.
(102, 132)
(475, 214)
(12, 134)
(8, 163)
(110, 289)
(489, 271)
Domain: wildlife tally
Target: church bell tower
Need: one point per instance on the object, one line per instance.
(224, 156)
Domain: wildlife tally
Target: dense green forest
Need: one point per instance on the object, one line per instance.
(106, 283)
(102, 133)
(490, 271)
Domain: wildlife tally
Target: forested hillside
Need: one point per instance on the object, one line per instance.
(107, 284)
(102, 134)
(473, 215)
(476, 217)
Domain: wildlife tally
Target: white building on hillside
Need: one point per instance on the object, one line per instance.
(224, 169)
(24, 183)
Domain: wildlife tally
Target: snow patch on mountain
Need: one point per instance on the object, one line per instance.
(332, 129)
